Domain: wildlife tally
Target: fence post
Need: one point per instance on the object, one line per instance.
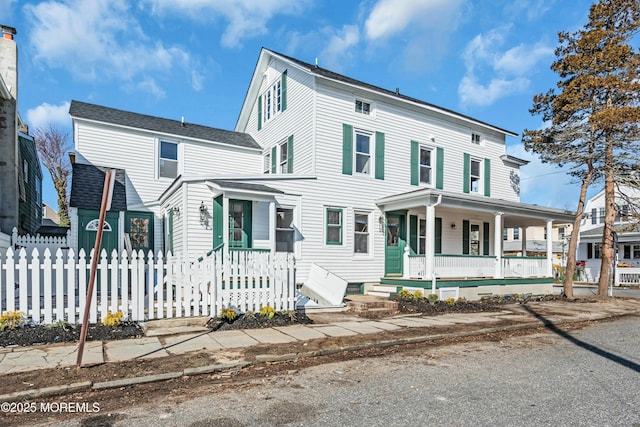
(82, 284)
(35, 286)
(71, 286)
(59, 266)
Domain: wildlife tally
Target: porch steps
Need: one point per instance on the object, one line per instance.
(370, 306)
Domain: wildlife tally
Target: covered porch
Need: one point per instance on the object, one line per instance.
(434, 235)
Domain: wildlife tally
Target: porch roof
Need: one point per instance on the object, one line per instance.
(626, 233)
(515, 214)
(245, 187)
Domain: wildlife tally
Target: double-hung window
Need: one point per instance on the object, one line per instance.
(284, 158)
(426, 170)
(422, 236)
(361, 233)
(168, 161)
(474, 176)
(636, 251)
(476, 138)
(285, 232)
(516, 233)
(601, 215)
(334, 226)
(363, 152)
(266, 166)
(272, 101)
(505, 234)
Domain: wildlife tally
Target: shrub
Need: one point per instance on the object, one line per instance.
(61, 324)
(11, 320)
(267, 311)
(433, 298)
(450, 301)
(228, 314)
(292, 314)
(405, 293)
(418, 295)
(112, 319)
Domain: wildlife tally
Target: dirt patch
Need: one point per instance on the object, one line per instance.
(259, 321)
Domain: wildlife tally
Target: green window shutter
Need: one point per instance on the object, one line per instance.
(347, 149)
(439, 168)
(284, 90)
(290, 154)
(218, 222)
(413, 234)
(274, 160)
(465, 237)
(466, 173)
(170, 230)
(485, 238)
(415, 158)
(487, 177)
(438, 237)
(260, 112)
(379, 155)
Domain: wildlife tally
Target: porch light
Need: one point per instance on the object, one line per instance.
(453, 225)
(203, 213)
(381, 223)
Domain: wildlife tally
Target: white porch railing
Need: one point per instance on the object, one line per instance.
(627, 276)
(464, 266)
(450, 266)
(524, 267)
(48, 288)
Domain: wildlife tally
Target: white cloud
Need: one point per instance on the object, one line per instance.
(492, 72)
(45, 114)
(338, 46)
(390, 17)
(97, 39)
(6, 10)
(244, 18)
(150, 86)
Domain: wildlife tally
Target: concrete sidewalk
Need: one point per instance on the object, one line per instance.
(172, 340)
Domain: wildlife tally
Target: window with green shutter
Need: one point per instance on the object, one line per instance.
(438, 237)
(485, 238)
(427, 165)
(465, 237)
(487, 177)
(333, 222)
(379, 162)
(347, 149)
(273, 100)
(413, 234)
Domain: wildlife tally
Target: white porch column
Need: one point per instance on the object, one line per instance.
(497, 244)
(549, 249)
(272, 226)
(406, 270)
(225, 225)
(430, 246)
(524, 241)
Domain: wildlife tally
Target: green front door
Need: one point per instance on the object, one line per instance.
(239, 224)
(394, 246)
(87, 229)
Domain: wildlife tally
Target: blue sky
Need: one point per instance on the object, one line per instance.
(195, 58)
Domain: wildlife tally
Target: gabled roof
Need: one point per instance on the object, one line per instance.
(98, 113)
(330, 75)
(87, 183)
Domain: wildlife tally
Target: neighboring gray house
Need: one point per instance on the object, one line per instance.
(369, 184)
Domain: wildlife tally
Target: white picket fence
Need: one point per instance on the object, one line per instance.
(39, 242)
(48, 288)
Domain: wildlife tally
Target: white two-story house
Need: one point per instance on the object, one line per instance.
(627, 232)
(371, 185)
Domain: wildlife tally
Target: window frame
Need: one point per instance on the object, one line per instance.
(422, 237)
(272, 100)
(601, 215)
(339, 226)
(283, 161)
(166, 159)
(291, 229)
(505, 234)
(516, 233)
(431, 166)
(479, 189)
(356, 153)
(476, 138)
(367, 233)
(362, 102)
(266, 162)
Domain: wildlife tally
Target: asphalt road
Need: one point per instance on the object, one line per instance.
(587, 377)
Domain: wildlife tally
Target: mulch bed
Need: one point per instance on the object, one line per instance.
(257, 321)
(46, 334)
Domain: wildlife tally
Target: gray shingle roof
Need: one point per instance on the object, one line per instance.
(234, 185)
(99, 113)
(339, 77)
(87, 182)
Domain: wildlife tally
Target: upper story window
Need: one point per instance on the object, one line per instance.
(622, 213)
(474, 176)
(476, 138)
(594, 216)
(363, 152)
(168, 161)
(426, 171)
(601, 215)
(266, 166)
(272, 100)
(363, 107)
(284, 157)
(561, 233)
